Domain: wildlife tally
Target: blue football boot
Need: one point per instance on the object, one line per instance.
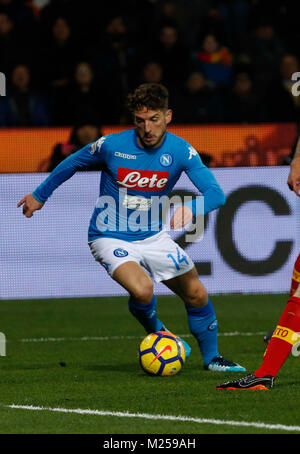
(220, 364)
(187, 348)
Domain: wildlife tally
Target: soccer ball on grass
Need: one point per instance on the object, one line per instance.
(161, 353)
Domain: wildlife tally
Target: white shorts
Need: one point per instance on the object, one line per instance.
(159, 255)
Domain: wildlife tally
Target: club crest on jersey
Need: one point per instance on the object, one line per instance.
(166, 159)
(142, 180)
(120, 252)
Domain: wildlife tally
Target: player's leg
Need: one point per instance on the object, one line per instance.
(164, 259)
(201, 319)
(200, 312)
(121, 260)
(283, 339)
(295, 277)
(285, 335)
(167, 262)
(142, 301)
(294, 285)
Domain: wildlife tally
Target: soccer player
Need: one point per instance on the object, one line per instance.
(287, 332)
(138, 165)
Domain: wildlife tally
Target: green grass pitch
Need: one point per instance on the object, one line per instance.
(82, 354)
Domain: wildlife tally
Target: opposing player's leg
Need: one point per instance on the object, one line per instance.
(295, 277)
(201, 319)
(283, 339)
(294, 285)
(285, 335)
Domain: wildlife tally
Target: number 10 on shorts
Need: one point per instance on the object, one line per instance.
(179, 259)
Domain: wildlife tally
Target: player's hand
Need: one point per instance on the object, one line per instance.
(30, 205)
(181, 217)
(294, 176)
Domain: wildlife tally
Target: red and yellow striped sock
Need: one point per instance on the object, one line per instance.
(286, 334)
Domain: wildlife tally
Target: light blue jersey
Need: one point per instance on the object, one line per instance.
(132, 177)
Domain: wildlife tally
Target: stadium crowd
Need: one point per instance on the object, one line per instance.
(68, 61)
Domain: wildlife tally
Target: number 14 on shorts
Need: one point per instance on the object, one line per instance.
(179, 259)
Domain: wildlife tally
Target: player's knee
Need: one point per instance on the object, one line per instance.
(143, 292)
(197, 297)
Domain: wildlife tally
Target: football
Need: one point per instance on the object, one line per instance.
(161, 353)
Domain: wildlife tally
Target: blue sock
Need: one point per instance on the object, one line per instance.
(204, 326)
(146, 315)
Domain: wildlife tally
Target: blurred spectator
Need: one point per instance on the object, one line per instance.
(231, 159)
(152, 72)
(169, 12)
(192, 16)
(191, 104)
(10, 45)
(288, 24)
(81, 135)
(251, 155)
(155, 40)
(282, 105)
(254, 153)
(214, 59)
(171, 53)
(207, 160)
(23, 17)
(115, 61)
(240, 103)
(229, 20)
(22, 106)
(264, 49)
(83, 98)
(58, 56)
(138, 17)
(49, 11)
(37, 6)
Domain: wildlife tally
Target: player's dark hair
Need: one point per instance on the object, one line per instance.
(152, 96)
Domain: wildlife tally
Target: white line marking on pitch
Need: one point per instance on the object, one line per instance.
(106, 338)
(258, 425)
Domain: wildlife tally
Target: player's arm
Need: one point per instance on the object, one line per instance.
(30, 205)
(206, 183)
(90, 154)
(294, 175)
